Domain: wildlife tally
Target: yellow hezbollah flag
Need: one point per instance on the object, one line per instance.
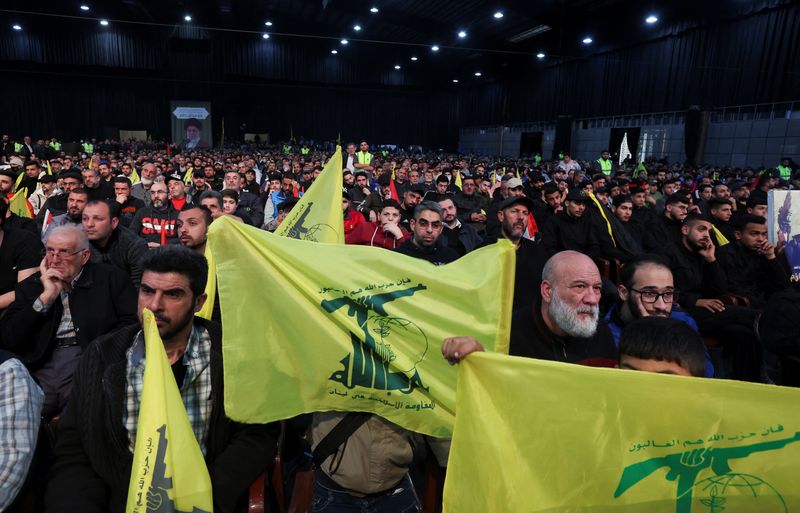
(318, 215)
(187, 179)
(459, 182)
(540, 436)
(134, 176)
(169, 473)
(211, 286)
(18, 204)
(350, 328)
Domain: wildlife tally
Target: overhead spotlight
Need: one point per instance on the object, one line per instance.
(373, 10)
(651, 19)
(356, 27)
(396, 66)
(478, 74)
(264, 36)
(498, 15)
(104, 23)
(334, 52)
(540, 55)
(414, 59)
(187, 18)
(587, 40)
(16, 27)
(455, 80)
(435, 48)
(84, 7)
(462, 34)
(344, 41)
(268, 23)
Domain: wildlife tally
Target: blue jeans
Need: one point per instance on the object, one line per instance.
(400, 499)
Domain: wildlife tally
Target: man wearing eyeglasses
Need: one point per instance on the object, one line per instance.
(647, 289)
(59, 310)
(426, 228)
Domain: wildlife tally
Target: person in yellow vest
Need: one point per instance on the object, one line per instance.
(287, 149)
(785, 168)
(604, 163)
(88, 147)
(364, 157)
(305, 150)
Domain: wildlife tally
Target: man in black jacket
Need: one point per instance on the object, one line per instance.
(572, 229)
(112, 243)
(753, 268)
(58, 311)
(665, 230)
(426, 228)
(156, 222)
(460, 237)
(701, 280)
(250, 208)
(96, 433)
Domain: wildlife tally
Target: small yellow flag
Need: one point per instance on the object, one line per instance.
(187, 179)
(169, 473)
(134, 176)
(318, 215)
(458, 179)
(18, 204)
(538, 436)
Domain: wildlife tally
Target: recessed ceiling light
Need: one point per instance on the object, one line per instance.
(540, 55)
(435, 48)
(414, 59)
(264, 36)
(344, 41)
(373, 10)
(651, 19)
(268, 23)
(498, 15)
(455, 80)
(104, 23)
(396, 66)
(334, 52)
(84, 7)
(587, 40)
(16, 27)
(356, 27)
(187, 18)
(462, 34)
(478, 73)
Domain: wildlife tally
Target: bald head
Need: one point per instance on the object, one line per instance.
(569, 263)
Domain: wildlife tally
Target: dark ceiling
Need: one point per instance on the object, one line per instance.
(407, 28)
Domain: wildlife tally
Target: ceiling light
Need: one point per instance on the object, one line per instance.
(498, 15)
(334, 52)
(356, 27)
(16, 27)
(104, 23)
(344, 41)
(478, 73)
(651, 19)
(435, 48)
(373, 10)
(84, 7)
(264, 36)
(540, 55)
(455, 80)
(396, 66)
(535, 31)
(414, 59)
(587, 40)
(268, 24)
(187, 18)
(462, 34)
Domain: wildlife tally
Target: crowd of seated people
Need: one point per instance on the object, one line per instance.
(655, 267)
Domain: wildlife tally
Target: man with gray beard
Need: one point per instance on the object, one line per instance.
(564, 324)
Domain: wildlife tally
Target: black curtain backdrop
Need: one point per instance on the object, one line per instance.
(76, 83)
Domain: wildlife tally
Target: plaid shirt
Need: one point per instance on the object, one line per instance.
(195, 392)
(20, 410)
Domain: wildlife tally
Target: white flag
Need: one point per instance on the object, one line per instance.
(624, 152)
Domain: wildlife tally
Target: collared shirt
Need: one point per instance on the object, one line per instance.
(66, 329)
(20, 414)
(195, 390)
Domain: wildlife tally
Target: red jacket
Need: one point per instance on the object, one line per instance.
(371, 234)
(351, 220)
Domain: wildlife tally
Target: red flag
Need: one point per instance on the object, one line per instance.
(393, 190)
(532, 229)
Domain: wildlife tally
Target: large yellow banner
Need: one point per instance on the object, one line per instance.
(540, 436)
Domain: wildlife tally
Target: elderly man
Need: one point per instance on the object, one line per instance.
(141, 190)
(564, 326)
(58, 311)
(97, 432)
(110, 242)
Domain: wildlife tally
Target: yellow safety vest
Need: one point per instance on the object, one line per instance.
(17, 147)
(364, 157)
(605, 166)
(88, 147)
(304, 151)
(786, 172)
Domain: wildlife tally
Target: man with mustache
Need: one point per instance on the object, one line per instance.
(701, 280)
(564, 325)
